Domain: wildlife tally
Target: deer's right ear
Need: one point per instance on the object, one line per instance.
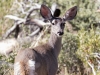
(71, 13)
(45, 12)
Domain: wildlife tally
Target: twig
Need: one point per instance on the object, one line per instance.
(39, 37)
(38, 22)
(14, 18)
(10, 30)
(34, 33)
(91, 65)
(27, 20)
(36, 7)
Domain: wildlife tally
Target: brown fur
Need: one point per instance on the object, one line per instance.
(41, 55)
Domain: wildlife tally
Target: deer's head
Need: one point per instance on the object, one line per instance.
(58, 23)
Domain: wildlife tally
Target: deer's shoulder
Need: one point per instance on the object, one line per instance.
(43, 49)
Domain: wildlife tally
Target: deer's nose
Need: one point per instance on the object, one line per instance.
(60, 33)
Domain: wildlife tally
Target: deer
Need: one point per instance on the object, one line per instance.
(42, 59)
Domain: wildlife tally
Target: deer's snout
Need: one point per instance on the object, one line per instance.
(60, 33)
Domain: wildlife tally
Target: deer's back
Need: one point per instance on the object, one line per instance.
(43, 56)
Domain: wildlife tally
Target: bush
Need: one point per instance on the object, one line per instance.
(89, 47)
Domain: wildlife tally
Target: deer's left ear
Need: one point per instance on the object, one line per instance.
(70, 14)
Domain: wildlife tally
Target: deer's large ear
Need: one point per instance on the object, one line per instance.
(71, 13)
(45, 12)
(57, 13)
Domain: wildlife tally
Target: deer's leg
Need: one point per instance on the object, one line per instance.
(25, 69)
(19, 69)
(31, 65)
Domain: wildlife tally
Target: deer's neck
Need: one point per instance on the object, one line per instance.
(55, 43)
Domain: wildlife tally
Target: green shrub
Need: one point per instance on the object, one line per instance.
(89, 44)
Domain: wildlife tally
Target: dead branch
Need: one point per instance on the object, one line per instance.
(19, 21)
(34, 33)
(15, 18)
(10, 31)
(34, 44)
(31, 7)
(36, 7)
(37, 22)
(92, 67)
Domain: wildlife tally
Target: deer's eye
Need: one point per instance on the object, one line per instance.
(63, 24)
(54, 22)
